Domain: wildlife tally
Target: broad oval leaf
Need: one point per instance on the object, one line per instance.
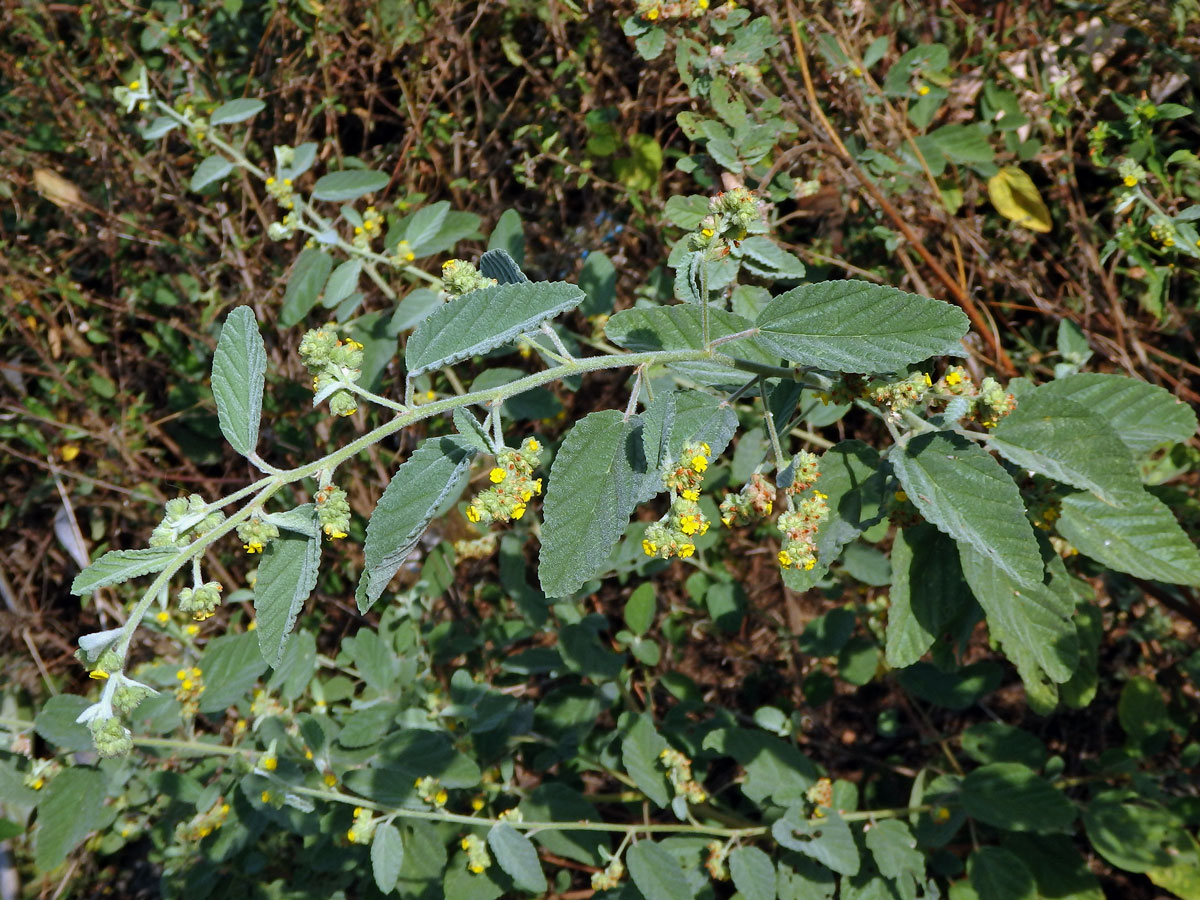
(701, 417)
(1131, 835)
(1032, 622)
(962, 490)
(485, 319)
(434, 472)
(238, 371)
(161, 126)
(387, 856)
(639, 754)
(929, 596)
(309, 274)
(71, 807)
(211, 169)
(753, 873)
(1064, 440)
(856, 326)
(518, 857)
(496, 263)
(656, 873)
(1012, 796)
(679, 327)
(827, 840)
(1016, 197)
(117, 566)
(999, 874)
(236, 111)
(1143, 415)
(341, 186)
(1139, 536)
(343, 282)
(286, 576)
(592, 492)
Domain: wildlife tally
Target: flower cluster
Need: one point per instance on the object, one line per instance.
(477, 854)
(120, 695)
(201, 601)
(679, 773)
(191, 687)
(110, 737)
(513, 485)
(202, 824)
(402, 255)
(363, 828)
(255, 533)
(805, 470)
(460, 277)
(135, 95)
(675, 533)
(332, 362)
(333, 511)
(665, 10)
(754, 501)
(990, 402)
(730, 215)
(431, 791)
(799, 529)
(185, 520)
(820, 795)
(904, 393)
(611, 875)
(1132, 174)
(371, 228)
(715, 863)
(845, 390)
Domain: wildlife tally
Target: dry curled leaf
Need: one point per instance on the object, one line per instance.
(1016, 198)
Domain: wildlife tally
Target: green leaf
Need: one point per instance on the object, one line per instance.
(1080, 690)
(1141, 709)
(961, 489)
(702, 417)
(852, 480)
(342, 283)
(387, 856)
(658, 423)
(856, 326)
(1063, 440)
(678, 327)
(56, 723)
(69, 808)
(827, 840)
(1139, 537)
(9, 829)
(598, 279)
(1129, 833)
(656, 873)
(753, 873)
(471, 430)
(1032, 622)
(499, 265)
(231, 664)
(160, 127)
(509, 235)
(928, 597)
(639, 754)
(518, 857)
(989, 742)
(892, 844)
(435, 472)
(592, 492)
(210, 170)
(764, 257)
(953, 690)
(236, 111)
(1059, 869)
(964, 144)
(309, 274)
(338, 187)
(117, 566)
(1142, 415)
(485, 319)
(651, 44)
(1014, 797)
(286, 576)
(238, 371)
(640, 608)
(423, 226)
(999, 874)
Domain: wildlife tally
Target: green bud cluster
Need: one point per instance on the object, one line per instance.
(513, 485)
(135, 95)
(665, 10)
(718, 870)
(111, 738)
(675, 533)
(610, 877)
(333, 511)
(371, 228)
(332, 361)
(185, 519)
(806, 469)
(255, 534)
(754, 501)
(460, 277)
(402, 255)
(128, 696)
(901, 394)
(1131, 172)
(363, 828)
(990, 402)
(202, 601)
(730, 215)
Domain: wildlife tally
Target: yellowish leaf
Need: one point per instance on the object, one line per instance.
(1182, 877)
(57, 189)
(1015, 197)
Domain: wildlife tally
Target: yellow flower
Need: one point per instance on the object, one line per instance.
(690, 494)
(785, 558)
(1130, 181)
(163, 616)
(652, 15)
(650, 547)
(686, 550)
(472, 514)
(69, 452)
(477, 805)
(265, 796)
(954, 378)
(518, 511)
(135, 85)
(253, 547)
(923, 90)
(98, 674)
(270, 181)
(330, 779)
(497, 475)
(901, 496)
(532, 445)
(699, 464)
(270, 763)
(441, 797)
(192, 630)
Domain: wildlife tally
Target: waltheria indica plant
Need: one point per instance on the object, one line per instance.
(997, 494)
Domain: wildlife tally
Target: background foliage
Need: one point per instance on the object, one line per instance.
(970, 153)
